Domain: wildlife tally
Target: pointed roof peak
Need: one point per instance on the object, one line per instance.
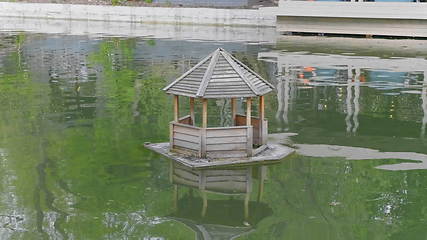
(219, 75)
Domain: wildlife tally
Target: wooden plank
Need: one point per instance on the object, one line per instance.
(239, 71)
(202, 151)
(264, 134)
(227, 154)
(225, 172)
(227, 187)
(222, 140)
(171, 136)
(187, 138)
(184, 144)
(208, 74)
(225, 76)
(225, 147)
(191, 176)
(186, 130)
(225, 178)
(226, 132)
(187, 73)
(182, 181)
(249, 142)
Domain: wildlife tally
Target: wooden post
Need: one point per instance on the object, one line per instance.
(192, 111)
(175, 108)
(248, 111)
(205, 113)
(262, 131)
(261, 108)
(233, 110)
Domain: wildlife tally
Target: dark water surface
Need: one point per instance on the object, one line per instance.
(75, 111)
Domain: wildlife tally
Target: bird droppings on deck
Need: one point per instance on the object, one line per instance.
(272, 154)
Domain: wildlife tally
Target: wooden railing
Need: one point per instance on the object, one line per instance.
(260, 128)
(221, 142)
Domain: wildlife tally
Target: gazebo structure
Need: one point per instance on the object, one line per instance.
(219, 75)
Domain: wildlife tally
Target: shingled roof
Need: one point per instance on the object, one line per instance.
(219, 75)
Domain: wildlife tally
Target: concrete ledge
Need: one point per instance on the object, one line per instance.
(377, 10)
(364, 18)
(207, 16)
(128, 29)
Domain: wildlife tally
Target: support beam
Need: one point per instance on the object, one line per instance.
(261, 108)
(175, 108)
(248, 111)
(205, 113)
(193, 120)
(233, 110)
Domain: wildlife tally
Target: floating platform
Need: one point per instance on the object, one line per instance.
(272, 153)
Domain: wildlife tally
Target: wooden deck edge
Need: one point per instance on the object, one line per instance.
(274, 153)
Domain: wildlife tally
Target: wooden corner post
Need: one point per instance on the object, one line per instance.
(203, 129)
(192, 116)
(248, 111)
(175, 108)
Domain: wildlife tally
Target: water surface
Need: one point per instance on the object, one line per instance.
(75, 111)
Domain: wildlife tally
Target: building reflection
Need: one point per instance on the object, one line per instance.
(424, 106)
(199, 200)
(329, 97)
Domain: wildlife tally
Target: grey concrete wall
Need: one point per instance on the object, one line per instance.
(131, 29)
(206, 16)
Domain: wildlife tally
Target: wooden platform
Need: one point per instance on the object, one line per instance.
(272, 154)
(407, 19)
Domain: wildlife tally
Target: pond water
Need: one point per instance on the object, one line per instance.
(76, 110)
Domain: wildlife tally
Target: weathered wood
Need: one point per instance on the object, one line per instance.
(226, 178)
(184, 144)
(186, 129)
(187, 138)
(259, 149)
(192, 115)
(185, 120)
(238, 69)
(188, 72)
(227, 187)
(175, 107)
(219, 140)
(248, 111)
(189, 175)
(238, 132)
(264, 133)
(249, 142)
(227, 154)
(186, 182)
(171, 136)
(261, 108)
(226, 147)
(208, 74)
(203, 135)
(205, 113)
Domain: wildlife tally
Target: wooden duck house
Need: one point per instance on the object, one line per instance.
(219, 76)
